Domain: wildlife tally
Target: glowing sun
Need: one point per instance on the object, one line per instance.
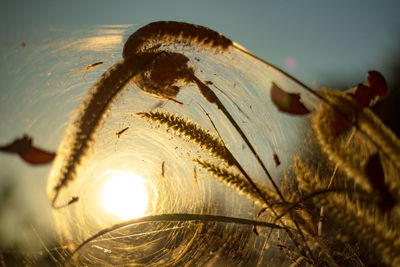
(124, 195)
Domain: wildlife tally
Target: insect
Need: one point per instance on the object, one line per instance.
(195, 183)
(122, 131)
(276, 160)
(163, 169)
(165, 77)
(72, 201)
(29, 153)
(117, 134)
(84, 68)
(195, 175)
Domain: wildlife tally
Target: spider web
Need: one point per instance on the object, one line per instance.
(37, 98)
(126, 142)
(242, 83)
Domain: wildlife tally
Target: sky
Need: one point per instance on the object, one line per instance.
(320, 42)
(326, 38)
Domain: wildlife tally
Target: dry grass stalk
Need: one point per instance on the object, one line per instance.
(238, 183)
(386, 141)
(283, 210)
(369, 123)
(369, 227)
(192, 132)
(352, 163)
(195, 133)
(365, 219)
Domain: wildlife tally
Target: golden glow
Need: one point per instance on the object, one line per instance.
(102, 43)
(124, 195)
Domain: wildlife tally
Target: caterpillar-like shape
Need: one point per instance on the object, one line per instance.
(162, 31)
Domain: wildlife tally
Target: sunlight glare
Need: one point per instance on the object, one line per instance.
(124, 194)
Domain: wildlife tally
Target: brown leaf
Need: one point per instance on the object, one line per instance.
(376, 178)
(287, 102)
(366, 94)
(378, 83)
(30, 154)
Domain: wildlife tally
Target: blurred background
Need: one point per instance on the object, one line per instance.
(322, 43)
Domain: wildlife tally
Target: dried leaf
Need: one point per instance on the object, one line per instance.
(287, 102)
(376, 176)
(276, 160)
(30, 154)
(374, 172)
(378, 83)
(367, 94)
(363, 95)
(255, 231)
(37, 156)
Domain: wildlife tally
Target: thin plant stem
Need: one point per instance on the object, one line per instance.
(177, 217)
(212, 98)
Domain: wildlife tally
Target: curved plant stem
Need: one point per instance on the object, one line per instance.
(90, 116)
(174, 217)
(212, 98)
